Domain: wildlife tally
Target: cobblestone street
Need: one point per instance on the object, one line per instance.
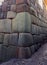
(39, 58)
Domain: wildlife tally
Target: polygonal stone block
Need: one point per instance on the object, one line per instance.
(34, 20)
(18, 2)
(22, 22)
(35, 39)
(23, 1)
(22, 8)
(21, 53)
(32, 48)
(13, 7)
(11, 39)
(33, 11)
(11, 52)
(4, 53)
(27, 52)
(8, 52)
(25, 39)
(5, 25)
(34, 29)
(11, 14)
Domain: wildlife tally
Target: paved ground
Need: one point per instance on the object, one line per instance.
(39, 58)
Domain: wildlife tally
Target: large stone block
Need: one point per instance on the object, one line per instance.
(11, 52)
(25, 39)
(11, 39)
(38, 38)
(11, 14)
(22, 2)
(5, 25)
(8, 52)
(21, 53)
(27, 52)
(34, 20)
(22, 8)
(33, 11)
(3, 15)
(32, 48)
(34, 29)
(22, 22)
(40, 30)
(18, 2)
(13, 7)
(4, 53)
(42, 23)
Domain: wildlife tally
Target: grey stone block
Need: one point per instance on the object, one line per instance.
(11, 52)
(11, 39)
(5, 25)
(8, 52)
(4, 53)
(40, 30)
(11, 14)
(27, 52)
(25, 39)
(34, 29)
(32, 48)
(13, 7)
(22, 22)
(40, 23)
(34, 20)
(37, 39)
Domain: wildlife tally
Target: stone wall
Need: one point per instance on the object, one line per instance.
(23, 28)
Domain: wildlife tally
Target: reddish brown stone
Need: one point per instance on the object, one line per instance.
(22, 8)
(23, 1)
(19, 1)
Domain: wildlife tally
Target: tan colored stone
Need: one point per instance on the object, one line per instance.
(11, 14)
